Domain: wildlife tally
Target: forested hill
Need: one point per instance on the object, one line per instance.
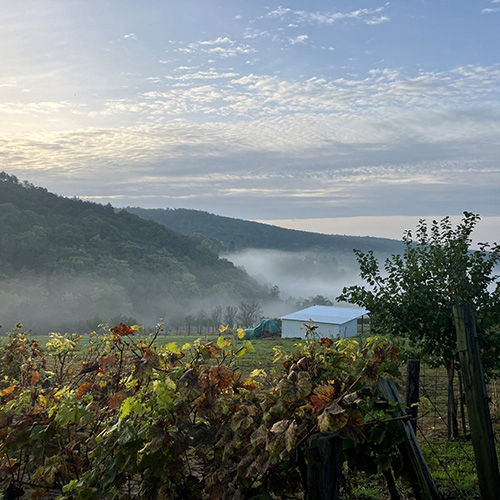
(40, 230)
(236, 234)
(76, 255)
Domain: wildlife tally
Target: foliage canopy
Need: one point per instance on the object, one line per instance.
(413, 293)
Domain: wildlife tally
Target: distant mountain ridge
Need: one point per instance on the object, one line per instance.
(226, 234)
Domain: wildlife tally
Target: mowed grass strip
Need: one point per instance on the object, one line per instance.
(261, 357)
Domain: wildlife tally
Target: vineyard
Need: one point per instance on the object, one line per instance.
(125, 417)
(120, 414)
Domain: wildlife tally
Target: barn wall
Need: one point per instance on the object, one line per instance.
(349, 329)
(291, 329)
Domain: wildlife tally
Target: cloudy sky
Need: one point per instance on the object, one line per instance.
(257, 109)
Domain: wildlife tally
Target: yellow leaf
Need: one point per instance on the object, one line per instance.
(185, 347)
(223, 328)
(222, 342)
(241, 333)
(258, 372)
(248, 346)
(249, 384)
(240, 352)
(173, 348)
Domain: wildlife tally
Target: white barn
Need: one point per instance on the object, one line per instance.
(332, 321)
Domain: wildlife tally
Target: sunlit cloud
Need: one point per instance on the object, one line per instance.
(305, 109)
(298, 39)
(220, 47)
(368, 16)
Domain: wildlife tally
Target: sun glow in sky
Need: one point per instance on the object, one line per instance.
(261, 109)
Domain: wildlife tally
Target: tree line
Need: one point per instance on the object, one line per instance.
(245, 315)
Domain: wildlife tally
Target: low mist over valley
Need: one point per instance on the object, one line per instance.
(299, 274)
(70, 264)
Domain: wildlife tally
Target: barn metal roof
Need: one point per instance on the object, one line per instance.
(327, 314)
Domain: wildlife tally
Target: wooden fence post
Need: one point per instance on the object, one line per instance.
(476, 399)
(323, 456)
(412, 390)
(462, 401)
(420, 477)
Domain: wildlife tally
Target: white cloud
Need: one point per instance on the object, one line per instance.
(221, 47)
(263, 136)
(224, 40)
(369, 16)
(298, 39)
(131, 36)
(377, 20)
(251, 34)
(490, 10)
(8, 83)
(280, 11)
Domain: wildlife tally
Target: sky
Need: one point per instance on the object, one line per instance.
(277, 111)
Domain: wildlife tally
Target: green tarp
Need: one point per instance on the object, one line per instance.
(265, 326)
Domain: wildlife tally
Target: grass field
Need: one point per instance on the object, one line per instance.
(262, 357)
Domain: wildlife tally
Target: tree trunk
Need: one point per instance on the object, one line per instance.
(452, 404)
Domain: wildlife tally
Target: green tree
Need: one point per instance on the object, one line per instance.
(317, 300)
(413, 294)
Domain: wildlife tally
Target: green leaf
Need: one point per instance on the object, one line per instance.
(127, 406)
(164, 395)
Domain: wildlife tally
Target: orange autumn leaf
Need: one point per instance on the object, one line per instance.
(35, 377)
(108, 360)
(121, 330)
(8, 390)
(83, 389)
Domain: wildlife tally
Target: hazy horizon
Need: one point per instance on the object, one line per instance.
(389, 226)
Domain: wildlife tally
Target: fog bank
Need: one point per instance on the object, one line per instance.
(300, 274)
